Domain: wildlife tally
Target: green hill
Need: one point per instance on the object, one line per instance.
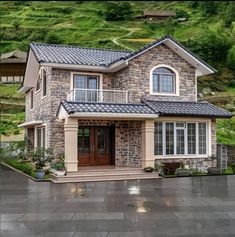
(209, 30)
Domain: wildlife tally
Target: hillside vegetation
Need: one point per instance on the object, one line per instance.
(209, 32)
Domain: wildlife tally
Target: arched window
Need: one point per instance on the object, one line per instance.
(163, 81)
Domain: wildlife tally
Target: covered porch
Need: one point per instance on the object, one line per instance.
(112, 139)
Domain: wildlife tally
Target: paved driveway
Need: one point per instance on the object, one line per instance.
(200, 206)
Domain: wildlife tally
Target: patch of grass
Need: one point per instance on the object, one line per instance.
(17, 164)
(229, 170)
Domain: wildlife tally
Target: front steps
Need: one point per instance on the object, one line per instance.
(104, 174)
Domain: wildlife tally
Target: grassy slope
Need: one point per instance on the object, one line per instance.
(82, 24)
(12, 110)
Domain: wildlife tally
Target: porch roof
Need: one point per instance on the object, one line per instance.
(95, 107)
(148, 108)
(194, 109)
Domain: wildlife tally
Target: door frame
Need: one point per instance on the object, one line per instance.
(93, 152)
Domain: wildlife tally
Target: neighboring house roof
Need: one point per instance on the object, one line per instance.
(91, 107)
(195, 109)
(51, 53)
(16, 56)
(159, 13)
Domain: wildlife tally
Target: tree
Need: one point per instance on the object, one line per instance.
(230, 60)
(117, 11)
(229, 15)
(208, 7)
(209, 45)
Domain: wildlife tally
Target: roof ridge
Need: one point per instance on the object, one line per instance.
(166, 101)
(79, 47)
(104, 103)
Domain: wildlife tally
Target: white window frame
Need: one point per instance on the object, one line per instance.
(36, 137)
(88, 74)
(176, 93)
(186, 155)
(38, 79)
(42, 84)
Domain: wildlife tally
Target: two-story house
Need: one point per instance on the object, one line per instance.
(108, 107)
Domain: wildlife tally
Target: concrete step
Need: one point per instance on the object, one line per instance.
(103, 177)
(104, 173)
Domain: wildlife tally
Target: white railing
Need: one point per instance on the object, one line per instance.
(97, 95)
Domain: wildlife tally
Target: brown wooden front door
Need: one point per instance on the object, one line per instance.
(94, 146)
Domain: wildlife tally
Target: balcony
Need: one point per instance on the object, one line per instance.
(97, 95)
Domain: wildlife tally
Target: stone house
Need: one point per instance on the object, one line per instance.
(117, 108)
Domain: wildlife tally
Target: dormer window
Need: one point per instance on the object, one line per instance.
(163, 80)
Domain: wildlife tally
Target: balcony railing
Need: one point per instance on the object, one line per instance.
(97, 95)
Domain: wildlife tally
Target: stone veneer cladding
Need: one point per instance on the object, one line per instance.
(127, 140)
(136, 77)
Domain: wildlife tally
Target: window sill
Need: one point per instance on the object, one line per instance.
(181, 156)
(164, 94)
(36, 92)
(45, 96)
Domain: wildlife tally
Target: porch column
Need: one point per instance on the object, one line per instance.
(70, 144)
(148, 143)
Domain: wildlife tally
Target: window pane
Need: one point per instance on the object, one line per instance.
(155, 83)
(191, 129)
(39, 144)
(169, 138)
(80, 82)
(31, 99)
(44, 83)
(43, 137)
(158, 146)
(163, 70)
(166, 83)
(180, 141)
(84, 140)
(202, 138)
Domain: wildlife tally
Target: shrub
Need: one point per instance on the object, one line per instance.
(53, 38)
(209, 45)
(116, 11)
(230, 60)
(180, 13)
(24, 167)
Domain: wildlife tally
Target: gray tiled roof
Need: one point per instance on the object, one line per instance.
(90, 107)
(195, 109)
(51, 53)
(163, 108)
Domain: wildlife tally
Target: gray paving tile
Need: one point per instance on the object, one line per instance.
(99, 216)
(201, 206)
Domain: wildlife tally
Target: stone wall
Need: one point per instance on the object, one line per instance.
(213, 138)
(136, 77)
(128, 150)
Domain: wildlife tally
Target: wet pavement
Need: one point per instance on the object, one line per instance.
(199, 206)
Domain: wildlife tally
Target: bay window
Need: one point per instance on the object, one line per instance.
(180, 138)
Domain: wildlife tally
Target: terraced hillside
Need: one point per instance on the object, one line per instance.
(209, 31)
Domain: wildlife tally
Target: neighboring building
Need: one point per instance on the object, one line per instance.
(12, 66)
(158, 15)
(119, 108)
